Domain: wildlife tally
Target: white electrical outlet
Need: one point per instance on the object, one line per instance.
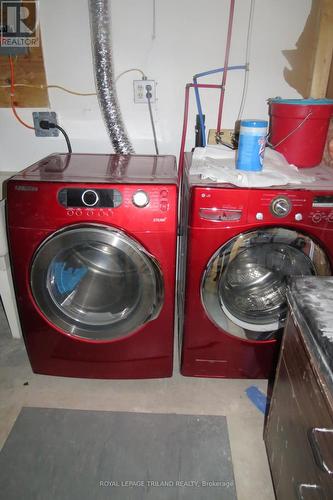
(140, 91)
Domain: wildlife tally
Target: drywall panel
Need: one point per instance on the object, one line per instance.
(189, 39)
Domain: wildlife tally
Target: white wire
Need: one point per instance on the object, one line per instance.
(59, 87)
(129, 70)
(154, 20)
(247, 60)
(64, 89)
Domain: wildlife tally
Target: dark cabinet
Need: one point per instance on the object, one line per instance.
(299, 430)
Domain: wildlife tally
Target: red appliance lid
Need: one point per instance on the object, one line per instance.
(102, 168)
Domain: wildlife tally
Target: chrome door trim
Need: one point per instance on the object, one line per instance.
(150, 301)
(226, 321)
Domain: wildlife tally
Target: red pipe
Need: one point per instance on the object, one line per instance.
(226, 64)
(185, 121)
(182, 144)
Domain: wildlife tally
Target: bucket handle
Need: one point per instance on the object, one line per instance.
(292, 132)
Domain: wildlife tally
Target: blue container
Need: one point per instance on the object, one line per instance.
(251, 145)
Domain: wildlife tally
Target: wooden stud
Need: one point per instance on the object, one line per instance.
(323, 51)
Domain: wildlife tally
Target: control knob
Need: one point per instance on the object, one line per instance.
(281, 206)
(89, 198)
(140, 199)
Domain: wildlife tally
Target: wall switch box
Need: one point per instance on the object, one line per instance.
(140, 91)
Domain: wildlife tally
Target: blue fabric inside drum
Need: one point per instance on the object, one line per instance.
(66, 279)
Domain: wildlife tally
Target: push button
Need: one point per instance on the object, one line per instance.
(164, 206)
(316, 218)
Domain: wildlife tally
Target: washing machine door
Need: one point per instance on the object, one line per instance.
(95, 282)
(244, 285)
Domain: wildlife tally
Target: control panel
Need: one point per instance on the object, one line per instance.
(97, 201)
(132, 207)
(234, 206)
(81, 197)
(304, 206)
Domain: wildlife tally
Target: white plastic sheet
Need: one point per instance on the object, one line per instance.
(217, 163)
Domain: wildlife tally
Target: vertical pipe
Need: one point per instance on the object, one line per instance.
(226, 62)
(182, 144)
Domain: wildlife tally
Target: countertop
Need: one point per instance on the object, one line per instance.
(311, 305)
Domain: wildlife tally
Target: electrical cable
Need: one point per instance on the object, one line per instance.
(73, 92)
(12, 94)
(60, 87)
(129, 70)
(68, 142)
(46, 125)
(149, 96)
(154, 20)
(247, 60)
(64, 89)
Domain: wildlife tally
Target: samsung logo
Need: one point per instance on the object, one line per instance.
(26, 188)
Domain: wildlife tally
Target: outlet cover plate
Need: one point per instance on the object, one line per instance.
(140, 91)
(51, 117)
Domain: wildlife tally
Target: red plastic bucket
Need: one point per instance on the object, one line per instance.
(298, 129)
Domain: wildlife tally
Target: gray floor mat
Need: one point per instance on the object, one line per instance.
(58, 454)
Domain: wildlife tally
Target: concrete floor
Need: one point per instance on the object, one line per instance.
(174, 395)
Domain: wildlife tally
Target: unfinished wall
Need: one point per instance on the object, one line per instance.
(188, 40)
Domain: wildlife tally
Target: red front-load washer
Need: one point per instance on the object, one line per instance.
(93, 250)
(242, 245)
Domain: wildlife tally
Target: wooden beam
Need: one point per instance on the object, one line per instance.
(29, 70)
(323, 52)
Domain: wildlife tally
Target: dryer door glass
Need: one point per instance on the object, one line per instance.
(243, 289)
(95, 282)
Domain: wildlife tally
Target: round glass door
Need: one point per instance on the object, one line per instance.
(244, 285)
(94, 282)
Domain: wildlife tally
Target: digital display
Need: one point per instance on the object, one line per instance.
(93, 198)
(324, 201)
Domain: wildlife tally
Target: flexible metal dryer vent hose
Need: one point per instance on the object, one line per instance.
(100, 27)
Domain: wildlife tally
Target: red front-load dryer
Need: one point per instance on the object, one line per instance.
(242, 245)
(93, 250)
